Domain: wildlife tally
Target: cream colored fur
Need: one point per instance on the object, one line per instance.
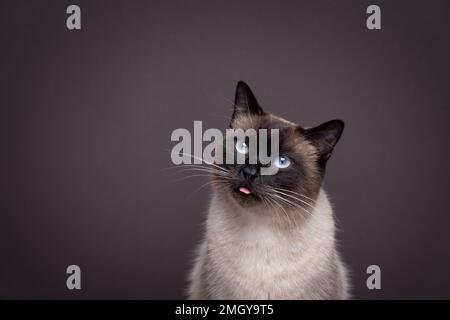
(246, 255)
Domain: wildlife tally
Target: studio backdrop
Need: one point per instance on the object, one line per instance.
(86, 117)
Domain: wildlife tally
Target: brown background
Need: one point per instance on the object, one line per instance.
(86, 118)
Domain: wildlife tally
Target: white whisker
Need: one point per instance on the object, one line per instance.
(296, 193)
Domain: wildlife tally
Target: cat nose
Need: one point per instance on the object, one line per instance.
(250, 171)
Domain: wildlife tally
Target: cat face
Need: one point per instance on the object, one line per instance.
(301, 162)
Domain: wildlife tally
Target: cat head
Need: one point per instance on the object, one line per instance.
(301, 162)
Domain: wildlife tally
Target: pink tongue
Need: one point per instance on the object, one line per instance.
(244, 190)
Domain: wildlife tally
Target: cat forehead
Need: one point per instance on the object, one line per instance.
(289, 135)
(266, 121)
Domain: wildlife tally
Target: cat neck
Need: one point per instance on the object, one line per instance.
(229, 218)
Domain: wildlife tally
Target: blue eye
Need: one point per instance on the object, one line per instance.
(241, 147)
(282, 162)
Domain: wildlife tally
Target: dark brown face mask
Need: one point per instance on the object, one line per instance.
(303, 154)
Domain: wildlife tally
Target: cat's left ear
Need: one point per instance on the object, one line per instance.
(245, 102)
(325, 137)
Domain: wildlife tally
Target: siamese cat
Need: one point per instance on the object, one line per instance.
(271, 236)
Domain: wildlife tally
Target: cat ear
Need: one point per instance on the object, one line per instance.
(245, 101)
(325, 137)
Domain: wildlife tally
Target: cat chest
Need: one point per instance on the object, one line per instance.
(261, 271)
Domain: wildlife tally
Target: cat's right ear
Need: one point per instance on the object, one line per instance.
(245, 102)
